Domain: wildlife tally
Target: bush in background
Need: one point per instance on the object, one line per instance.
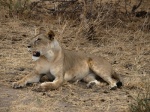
(15, 7)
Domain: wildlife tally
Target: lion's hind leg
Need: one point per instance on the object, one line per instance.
(104, 70)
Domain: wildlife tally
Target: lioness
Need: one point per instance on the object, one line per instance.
(64, 65)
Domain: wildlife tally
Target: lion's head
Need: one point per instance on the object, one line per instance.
(42, 44)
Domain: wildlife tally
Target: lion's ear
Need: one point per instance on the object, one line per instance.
(51, 35)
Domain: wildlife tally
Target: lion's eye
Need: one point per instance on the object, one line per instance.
(38, 39)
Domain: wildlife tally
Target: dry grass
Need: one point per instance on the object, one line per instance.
(142, 101)
(125, 43)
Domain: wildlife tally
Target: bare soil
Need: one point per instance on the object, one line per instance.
(128, 50)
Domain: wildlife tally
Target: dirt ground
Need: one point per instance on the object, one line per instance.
(128, 50)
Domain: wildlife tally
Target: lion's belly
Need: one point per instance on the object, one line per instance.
(76, 73)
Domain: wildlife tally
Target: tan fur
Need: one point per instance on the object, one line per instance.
(65, 65)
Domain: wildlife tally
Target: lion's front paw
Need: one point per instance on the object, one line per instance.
(18, 85)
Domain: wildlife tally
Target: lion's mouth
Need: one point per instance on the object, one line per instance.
(36, 53)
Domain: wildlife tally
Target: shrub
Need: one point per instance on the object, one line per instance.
(15, 7)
